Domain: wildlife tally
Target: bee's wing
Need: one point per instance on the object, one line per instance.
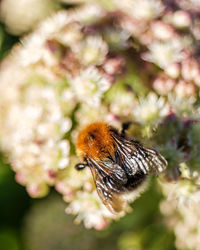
(135, 157)
(109, 179)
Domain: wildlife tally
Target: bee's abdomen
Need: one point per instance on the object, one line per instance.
(135, 180)
(131, 183)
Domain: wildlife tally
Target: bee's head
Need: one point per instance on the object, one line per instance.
(95, 141)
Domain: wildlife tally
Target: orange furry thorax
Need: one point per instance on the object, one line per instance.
(95, 141)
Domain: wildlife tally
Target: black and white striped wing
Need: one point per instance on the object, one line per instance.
(109, 179)
(135, 157)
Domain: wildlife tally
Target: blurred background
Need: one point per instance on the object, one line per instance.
(66, 63)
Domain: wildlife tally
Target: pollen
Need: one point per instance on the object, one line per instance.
(95, 141)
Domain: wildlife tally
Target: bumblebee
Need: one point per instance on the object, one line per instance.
(119, 165)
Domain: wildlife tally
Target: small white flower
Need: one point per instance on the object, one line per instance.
(181, 19)
(65, 125)
(123, 103)
(181, 208)
(70, 34)
(173, 70)
(165, 53)
(63, 163)
(64, 147)
(89, 86)
(91, 51)
(145, 9)
(151, 109)
(88, 13)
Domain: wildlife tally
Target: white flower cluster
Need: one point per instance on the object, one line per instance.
(181, 208)
(54, 70)
(90, 63)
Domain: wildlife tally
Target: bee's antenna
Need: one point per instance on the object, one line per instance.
(125, 126)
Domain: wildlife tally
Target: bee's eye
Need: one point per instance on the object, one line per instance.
(92, 136)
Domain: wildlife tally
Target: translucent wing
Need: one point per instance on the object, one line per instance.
(135, 157)
(109, 179)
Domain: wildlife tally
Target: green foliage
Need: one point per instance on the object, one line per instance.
(9, 240)
(6, 42)
(13, 198)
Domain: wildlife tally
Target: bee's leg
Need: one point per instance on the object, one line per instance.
(125, 126)
(80, 166)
